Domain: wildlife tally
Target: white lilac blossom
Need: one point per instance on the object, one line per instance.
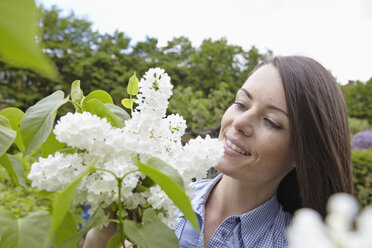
(148, 133)
(343, 227)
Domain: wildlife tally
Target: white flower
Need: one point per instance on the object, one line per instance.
(56, 171)
(81, 130)
(149, 133)
(308, 230)
(342, 209)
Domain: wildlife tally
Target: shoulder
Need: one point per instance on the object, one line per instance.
(198, 186)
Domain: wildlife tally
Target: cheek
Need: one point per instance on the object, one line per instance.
(279, 149)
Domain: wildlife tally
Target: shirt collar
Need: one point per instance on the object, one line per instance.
(201, 196)
(256, 222)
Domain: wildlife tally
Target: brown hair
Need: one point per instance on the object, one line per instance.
(319, 133)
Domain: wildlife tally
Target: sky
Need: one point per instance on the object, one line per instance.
(337, 33)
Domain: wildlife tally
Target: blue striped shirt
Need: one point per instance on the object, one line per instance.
(264, 226)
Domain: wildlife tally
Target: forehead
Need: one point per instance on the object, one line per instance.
(265, 85)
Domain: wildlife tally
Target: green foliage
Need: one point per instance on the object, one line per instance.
(96, 219)
(18, 34)
(100, 95)
(64, 200)
(114, 242)
(19, 200)
(171, 183)
(358, 125)
(38, 121)
(14, 168)
(15, 116)
(119, 112)
(7, 134)
(96, 107)
(29, 231)
(132, 90)
(67, 229)
(202, 113)
(358, 100)
(102, 61)
(107, 61)
(152, 234)
(362, 173)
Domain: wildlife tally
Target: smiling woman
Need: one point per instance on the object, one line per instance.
(286, 145)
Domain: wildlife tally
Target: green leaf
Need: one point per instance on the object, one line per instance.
(51, 145)
(119, 112)
(30, 231)
(158, 171)
(42, 194)
(64, 199)
(152, 234)
(7, 134)
(101, 95)
(76, 92)
(128, 103)
(37, 123)
(96, 219)
(114, 242)
(96, 107)
(165, 168)
(14, 168)
(19, 27)
(133, 88)
(15, 116)
(67, 229)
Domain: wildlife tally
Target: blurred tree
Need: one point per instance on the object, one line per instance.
(206, 77)
(65, 41)
(100, 61)
(202, 113)
(358, 100)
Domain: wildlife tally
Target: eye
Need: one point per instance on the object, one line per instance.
(240, 106)
(272, 124)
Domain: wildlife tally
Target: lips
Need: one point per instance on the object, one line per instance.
(236, 148)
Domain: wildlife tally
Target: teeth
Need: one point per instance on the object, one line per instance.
(235, 148)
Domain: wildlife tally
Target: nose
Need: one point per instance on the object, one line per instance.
(244, 122)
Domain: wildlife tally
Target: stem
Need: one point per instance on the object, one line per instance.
(131, 104)
(120, 205)
(126, 174)
(112, 173)
(121, 230)
(114, 221)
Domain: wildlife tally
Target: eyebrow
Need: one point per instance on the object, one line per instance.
(247, 93)
(270, 106)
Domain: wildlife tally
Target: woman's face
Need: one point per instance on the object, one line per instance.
(255, 131)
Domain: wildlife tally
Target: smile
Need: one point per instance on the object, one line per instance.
(236, 148)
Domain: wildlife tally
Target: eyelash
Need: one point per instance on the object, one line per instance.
(268, 122)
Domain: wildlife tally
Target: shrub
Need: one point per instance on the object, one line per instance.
(362, 173)
(358, 125)
(20, 201)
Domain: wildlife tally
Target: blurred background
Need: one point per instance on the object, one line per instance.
(208, 48)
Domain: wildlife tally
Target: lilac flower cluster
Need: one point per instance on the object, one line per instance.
(362, 140)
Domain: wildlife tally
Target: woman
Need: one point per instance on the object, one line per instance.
(287, 146)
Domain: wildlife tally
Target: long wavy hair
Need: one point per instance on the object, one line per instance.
(319, 132)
